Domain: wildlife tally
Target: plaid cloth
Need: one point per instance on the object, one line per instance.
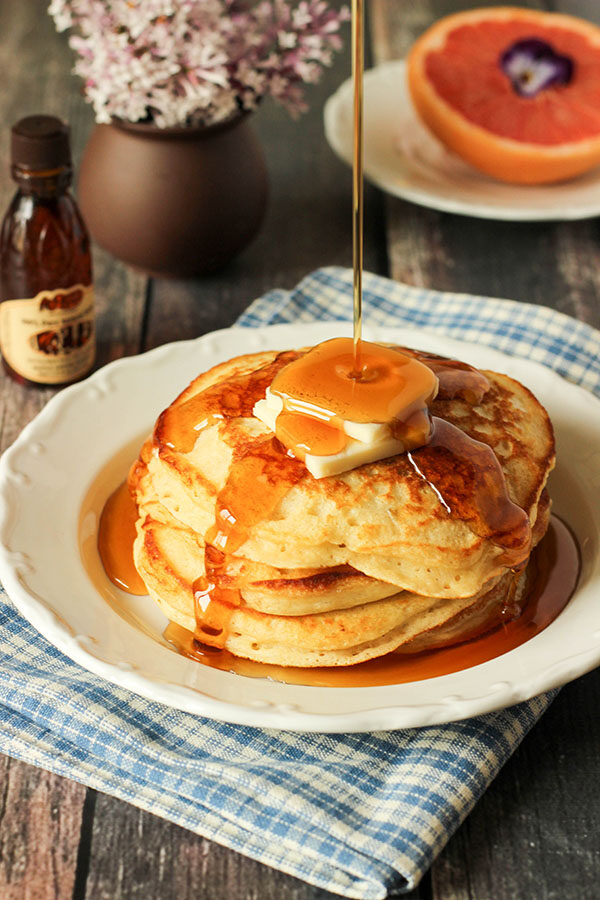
(362, 815)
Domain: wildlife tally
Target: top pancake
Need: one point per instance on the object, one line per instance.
(408, 521)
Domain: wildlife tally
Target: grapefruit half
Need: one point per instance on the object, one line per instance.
(514, 92)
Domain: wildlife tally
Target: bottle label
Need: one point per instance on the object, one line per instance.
(50, 338)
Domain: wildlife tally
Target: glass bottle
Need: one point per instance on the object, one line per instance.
(47, 333)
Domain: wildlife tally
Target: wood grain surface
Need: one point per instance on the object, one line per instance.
(534, 833)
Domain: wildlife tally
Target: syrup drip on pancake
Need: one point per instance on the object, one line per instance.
(258, 480)
(178, 427)
(554, 566)
(468, 480)
(456, 378)
(309, 435)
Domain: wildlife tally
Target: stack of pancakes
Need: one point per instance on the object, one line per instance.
(352, 566)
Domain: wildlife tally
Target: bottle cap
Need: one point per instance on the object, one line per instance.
(40, 143)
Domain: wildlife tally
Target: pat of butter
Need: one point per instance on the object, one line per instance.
(367, 442)
(354, 454)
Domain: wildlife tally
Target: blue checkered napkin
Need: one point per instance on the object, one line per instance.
(362, 815)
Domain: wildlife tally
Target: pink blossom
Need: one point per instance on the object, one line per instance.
(179, 62)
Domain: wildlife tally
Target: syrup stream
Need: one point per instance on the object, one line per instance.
(357, 176)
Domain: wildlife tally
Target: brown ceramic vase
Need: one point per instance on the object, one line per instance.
(176, 202)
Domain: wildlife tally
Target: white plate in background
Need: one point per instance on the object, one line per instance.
(403, 158)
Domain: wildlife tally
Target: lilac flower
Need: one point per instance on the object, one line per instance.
(186, 62)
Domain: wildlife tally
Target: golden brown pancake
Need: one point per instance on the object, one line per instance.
(403, 552)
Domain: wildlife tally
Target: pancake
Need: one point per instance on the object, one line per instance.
(405, 552)
(351, 617)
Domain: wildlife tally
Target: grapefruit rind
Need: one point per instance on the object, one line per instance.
(506, 159)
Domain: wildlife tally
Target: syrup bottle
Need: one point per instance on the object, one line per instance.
(47, 334)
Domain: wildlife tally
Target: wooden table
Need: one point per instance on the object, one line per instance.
(535, 832)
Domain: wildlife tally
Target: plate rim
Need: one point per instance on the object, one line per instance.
(337, 101)
(380, 714)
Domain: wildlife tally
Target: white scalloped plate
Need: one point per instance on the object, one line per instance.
(403, 158)
(46, 477)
